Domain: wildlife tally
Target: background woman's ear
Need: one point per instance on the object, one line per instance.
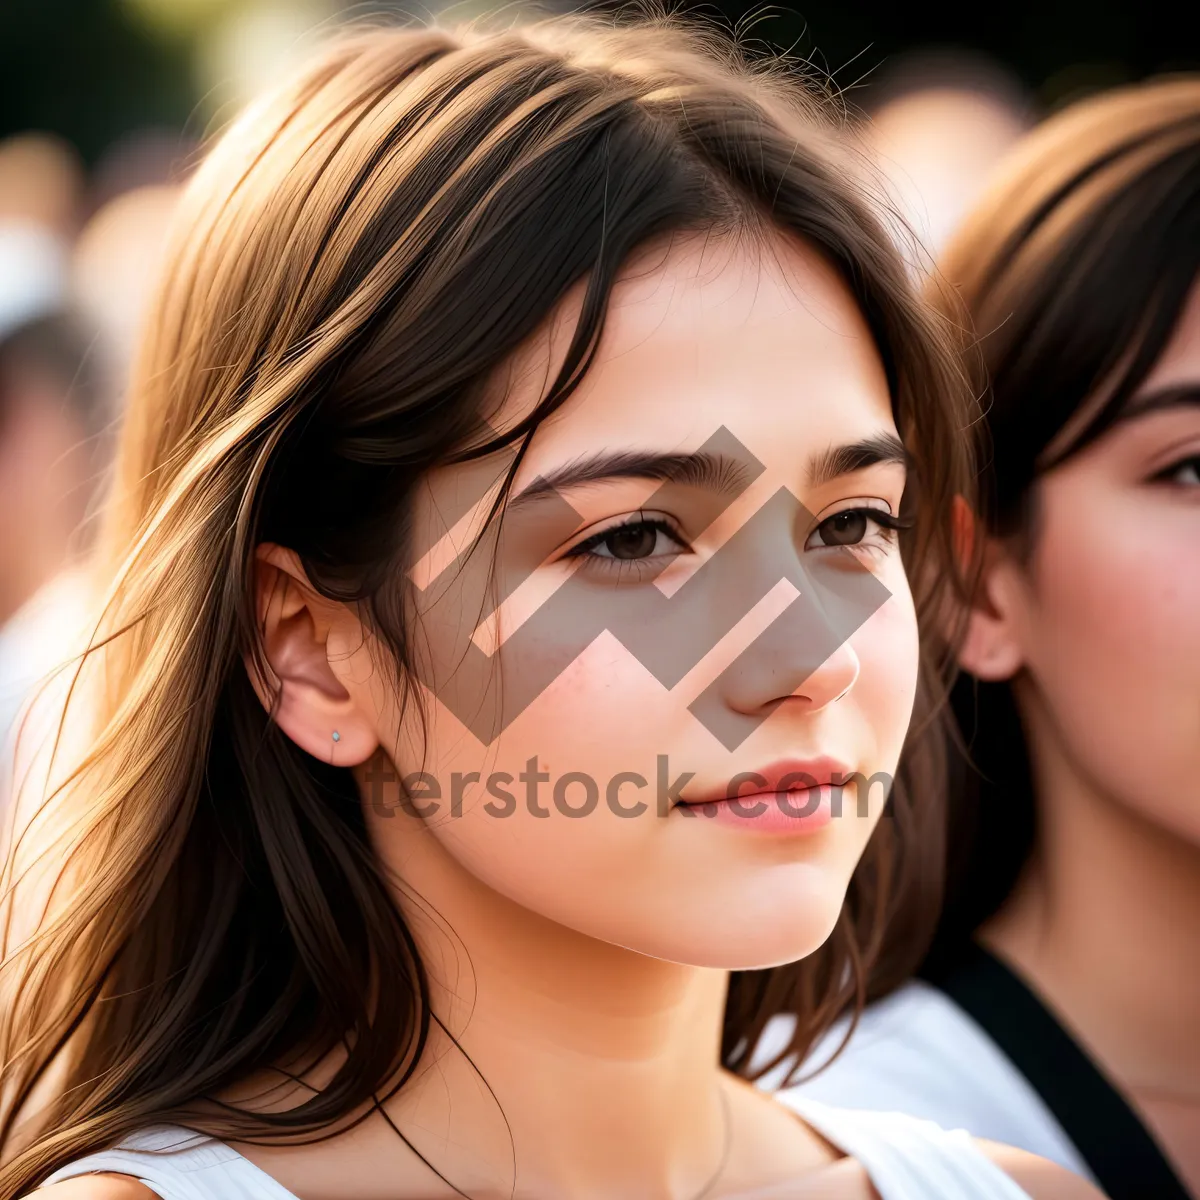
(302, 689)
(992, 647)
(966, 541)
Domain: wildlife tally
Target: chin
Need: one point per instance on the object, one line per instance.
(747, 945)
(761, 955)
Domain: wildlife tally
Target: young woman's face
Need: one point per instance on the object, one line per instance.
(1105, 618)
(698, 583)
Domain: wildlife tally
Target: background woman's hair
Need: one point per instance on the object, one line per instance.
(1075, 268)
(353, 264)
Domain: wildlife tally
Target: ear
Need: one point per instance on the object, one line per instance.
(965, 531)
(993, 648)
(311, 703)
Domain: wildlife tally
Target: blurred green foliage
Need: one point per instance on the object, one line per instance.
(89, 71)
(92, 70)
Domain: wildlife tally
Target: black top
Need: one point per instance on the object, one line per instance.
(1119, 1150)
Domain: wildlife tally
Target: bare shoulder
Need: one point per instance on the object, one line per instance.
(95, 1187)
(1042, 1179)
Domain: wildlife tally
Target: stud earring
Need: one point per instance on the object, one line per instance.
(337, 737)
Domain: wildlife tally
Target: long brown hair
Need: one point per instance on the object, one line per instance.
(355, 260)
(1074, 268)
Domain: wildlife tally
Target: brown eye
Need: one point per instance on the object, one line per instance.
(631, 541)
(844, 528)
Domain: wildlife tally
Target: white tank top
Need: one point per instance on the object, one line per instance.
(906, 1159)
(917, 1052)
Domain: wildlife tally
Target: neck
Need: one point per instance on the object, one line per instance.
(1103, 923)
(602, 1064)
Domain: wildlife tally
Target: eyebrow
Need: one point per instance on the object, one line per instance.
(717, 472)
(1184, 395)
(857, 456)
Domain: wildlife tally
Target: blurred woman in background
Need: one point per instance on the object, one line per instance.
(1060, 1008)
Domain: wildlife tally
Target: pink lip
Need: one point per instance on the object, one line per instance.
(790, 796)
(788, 774)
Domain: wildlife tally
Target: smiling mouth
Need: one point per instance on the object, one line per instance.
(786, 777)
(794, 796)
(793, 812)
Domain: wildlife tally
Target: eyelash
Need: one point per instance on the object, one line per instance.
(610, 561)
(1168, 475)
(887, 523)
(889, 526)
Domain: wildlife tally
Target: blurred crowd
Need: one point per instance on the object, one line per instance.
(78, 255)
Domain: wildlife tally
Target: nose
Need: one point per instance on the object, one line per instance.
(801, 656)
(828, 683)
(804, 658)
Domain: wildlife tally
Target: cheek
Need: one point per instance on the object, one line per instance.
(888, 649)
(1114, 636)
(603, 716)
